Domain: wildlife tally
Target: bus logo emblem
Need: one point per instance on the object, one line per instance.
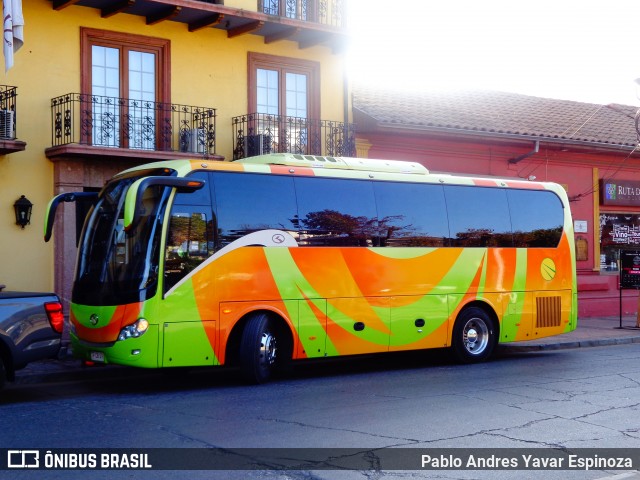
(94, 319)
(278, 238)
(548, 269)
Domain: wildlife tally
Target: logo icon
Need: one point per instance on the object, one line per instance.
(23, 459)
(94, 319)
(548, 269)
(278, 238)
(610, 191)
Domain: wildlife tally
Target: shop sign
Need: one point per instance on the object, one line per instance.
(619, 192)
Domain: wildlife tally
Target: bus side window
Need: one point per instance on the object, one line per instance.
(411, 215)
(537, 218)
(189, 243)
(336, 212)
(251, 202)
(190, 237)
(478, 216)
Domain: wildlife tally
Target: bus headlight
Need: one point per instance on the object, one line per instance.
(134, 330)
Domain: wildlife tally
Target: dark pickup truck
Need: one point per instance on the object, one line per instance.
(30, 329)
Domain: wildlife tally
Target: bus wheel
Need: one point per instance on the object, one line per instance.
(474, 336)
(258, 348)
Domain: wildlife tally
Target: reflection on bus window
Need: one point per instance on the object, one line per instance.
(336, 212)
(411, 215)
(189, 243)
(250, 203)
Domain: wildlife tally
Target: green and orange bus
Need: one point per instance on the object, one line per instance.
(281, 257)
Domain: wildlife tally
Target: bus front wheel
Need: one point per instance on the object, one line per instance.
(474, 336)
(258, 348)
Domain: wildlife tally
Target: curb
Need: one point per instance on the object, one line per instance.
(66, 368)
(602, 342)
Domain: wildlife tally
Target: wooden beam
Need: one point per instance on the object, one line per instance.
(116, 7)
(209, 21)
(60, 4)
(313, 41)
(244, 29)
(165, 14)
(282, 35)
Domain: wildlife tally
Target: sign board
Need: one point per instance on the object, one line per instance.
(629, 268)
(619, 229)
(580, 226)
(619, 192)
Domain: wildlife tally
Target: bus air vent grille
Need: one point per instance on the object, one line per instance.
(549, 312)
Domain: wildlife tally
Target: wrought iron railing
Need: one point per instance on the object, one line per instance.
(259, 133)
(8, 96)
(137, 124)
(326, 12)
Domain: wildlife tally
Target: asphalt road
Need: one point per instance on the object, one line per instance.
(581, 398)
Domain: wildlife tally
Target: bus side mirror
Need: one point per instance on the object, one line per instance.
(133, 201)
(50, 213)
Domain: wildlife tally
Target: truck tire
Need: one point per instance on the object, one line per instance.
(3, 372)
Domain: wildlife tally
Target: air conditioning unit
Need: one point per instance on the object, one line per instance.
(6, 124)
(257, 145)
(193, 140)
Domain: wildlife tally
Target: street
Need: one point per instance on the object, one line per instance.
(574, 398)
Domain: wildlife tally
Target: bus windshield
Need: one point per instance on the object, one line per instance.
(117, 267)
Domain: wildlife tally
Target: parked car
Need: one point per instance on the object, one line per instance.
(30, 329)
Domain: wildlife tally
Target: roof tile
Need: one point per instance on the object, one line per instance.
(500, 113)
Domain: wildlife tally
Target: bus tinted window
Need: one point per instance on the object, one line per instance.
(336, 212)
(190, 238)
(478, 217)
(189, 242)
(247, 203)
(199, 197)
(411, 215)
(537, 218)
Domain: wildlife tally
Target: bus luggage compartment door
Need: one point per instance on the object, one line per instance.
(357, 325)
(188, 344)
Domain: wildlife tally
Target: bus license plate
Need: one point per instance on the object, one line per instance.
(97, 356)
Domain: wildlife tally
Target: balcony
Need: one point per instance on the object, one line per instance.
(306, 22)
(259, 134)
(8, 137)
(108, 127)
(324, 12)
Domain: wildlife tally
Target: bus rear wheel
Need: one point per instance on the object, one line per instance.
(474, 336)
(259, 348)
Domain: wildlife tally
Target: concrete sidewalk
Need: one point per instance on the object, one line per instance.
(591, 332)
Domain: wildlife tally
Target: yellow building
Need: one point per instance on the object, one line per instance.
(100, 86)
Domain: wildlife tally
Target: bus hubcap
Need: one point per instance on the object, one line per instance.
(476, 336)
(268, 349)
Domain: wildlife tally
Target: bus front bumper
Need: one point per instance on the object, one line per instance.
(137, 352)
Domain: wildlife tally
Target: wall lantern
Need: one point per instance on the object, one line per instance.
(23, 211)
